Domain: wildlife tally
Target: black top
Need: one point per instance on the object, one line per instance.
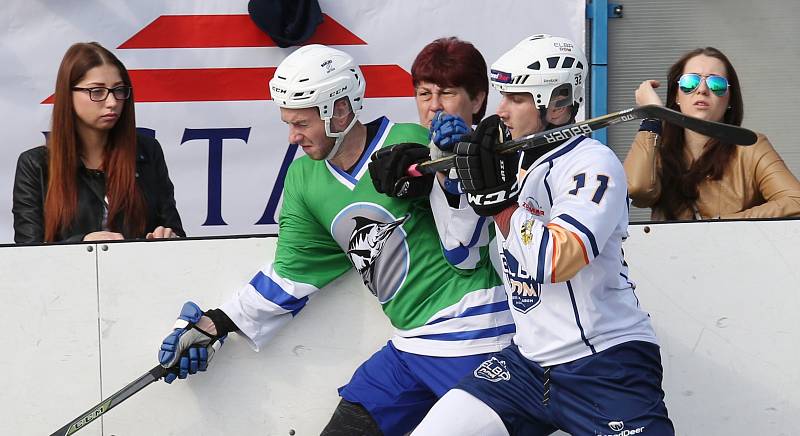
(30, 188)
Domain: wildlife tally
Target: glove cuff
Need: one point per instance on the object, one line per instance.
(222, 322)
(480, 206)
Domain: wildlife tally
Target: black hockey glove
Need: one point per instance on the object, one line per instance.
(388, 170)
(488, 178)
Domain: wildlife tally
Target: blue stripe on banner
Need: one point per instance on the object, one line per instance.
(456, 255)
(547, 185)
(477, 233)
(476, 310)
(578, 318)
(274, 293)
(585, 230)
(542, 255)
(471, 334)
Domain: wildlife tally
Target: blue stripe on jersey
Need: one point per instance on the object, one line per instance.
(483, 309)
(542, 255)
(471, 334)
(547, 185)
(460, 253)
(585, 230)
(344, 174)
(563, 151)
(274, 293)
(456, 255)
(477, 233)
(372, 145)
(578, 318)
(366, 155)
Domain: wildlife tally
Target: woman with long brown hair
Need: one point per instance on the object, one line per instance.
(96, 179)
(683, 175)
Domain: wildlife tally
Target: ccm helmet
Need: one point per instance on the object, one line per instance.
(316, 76)
(544, 66)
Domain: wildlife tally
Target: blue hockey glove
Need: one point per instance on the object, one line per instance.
(188, 349)
(447, 130)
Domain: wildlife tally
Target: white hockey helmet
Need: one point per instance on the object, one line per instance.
(544, 66)
(316, 76)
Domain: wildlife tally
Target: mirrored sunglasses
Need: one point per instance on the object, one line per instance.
(718, 85)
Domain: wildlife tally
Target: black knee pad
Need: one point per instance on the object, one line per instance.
(351, 419)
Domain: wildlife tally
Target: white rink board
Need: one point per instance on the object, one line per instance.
(291, 384)
(50, 363)
(724, 301)
(722, 296)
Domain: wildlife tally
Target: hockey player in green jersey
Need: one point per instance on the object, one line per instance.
(425, 261)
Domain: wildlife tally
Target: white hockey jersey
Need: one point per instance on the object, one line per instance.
(564, 270)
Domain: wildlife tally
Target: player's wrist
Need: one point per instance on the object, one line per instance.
(652, 125)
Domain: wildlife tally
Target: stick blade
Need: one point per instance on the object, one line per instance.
(726, 133)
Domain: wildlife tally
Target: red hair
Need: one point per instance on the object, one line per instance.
(451, 62)
(119, 161)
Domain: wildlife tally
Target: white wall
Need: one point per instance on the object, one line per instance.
(723, 297)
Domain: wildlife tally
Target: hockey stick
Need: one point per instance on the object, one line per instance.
(123, 394)
(724, 132)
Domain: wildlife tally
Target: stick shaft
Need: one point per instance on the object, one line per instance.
(724, 132)
(109, 403)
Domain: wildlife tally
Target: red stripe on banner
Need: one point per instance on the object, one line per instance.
(210, 31)
(237, 84)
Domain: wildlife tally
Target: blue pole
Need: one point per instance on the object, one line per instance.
(597, 11)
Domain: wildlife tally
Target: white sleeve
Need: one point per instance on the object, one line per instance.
(462, 232)
(265, 304)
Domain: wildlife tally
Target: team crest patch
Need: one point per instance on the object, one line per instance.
(524, 291)
(375, 243)
(526, 232)
(493, 370)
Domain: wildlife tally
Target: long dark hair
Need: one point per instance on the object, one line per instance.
(679, 180)
(450, 62)
(119, 161)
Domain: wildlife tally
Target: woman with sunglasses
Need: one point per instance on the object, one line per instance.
(96, 178)
(683, 175)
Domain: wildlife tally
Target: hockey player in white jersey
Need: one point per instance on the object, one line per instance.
(585, 358)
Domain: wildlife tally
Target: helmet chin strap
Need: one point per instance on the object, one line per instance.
(339, 135)
(549, 125)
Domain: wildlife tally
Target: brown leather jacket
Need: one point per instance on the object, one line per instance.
(757, 184)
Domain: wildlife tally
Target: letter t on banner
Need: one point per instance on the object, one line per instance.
(215, 137)
(272, 205)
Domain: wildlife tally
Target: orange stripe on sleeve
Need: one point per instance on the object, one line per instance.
(569, 253)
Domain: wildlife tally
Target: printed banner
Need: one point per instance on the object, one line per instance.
(200, 70)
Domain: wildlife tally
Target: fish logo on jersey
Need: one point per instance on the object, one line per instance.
(525, 292)
(493, 370)
(366, 244)
(374, 241)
